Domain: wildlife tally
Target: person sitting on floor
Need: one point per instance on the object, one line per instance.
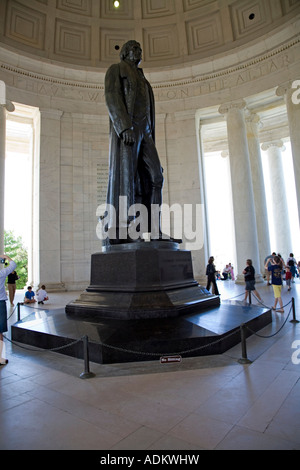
(225, 272)
(29, 296)
(42, 295)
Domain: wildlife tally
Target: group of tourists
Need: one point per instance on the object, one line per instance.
(276, 271)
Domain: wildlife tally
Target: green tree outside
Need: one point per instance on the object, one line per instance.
(14, 248)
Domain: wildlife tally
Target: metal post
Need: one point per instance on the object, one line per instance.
(18, 311)
(86, 374)
(294, 312)
(244, 359)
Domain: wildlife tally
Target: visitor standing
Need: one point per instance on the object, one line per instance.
(268, 262)
(275, 269)
(211, 275)
(288, 277)
(11, 286)
(291, 262)
(249, 275)
(4, 272)
(231, 271)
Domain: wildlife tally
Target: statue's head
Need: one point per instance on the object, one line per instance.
(132, 51)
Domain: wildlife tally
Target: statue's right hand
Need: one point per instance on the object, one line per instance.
(128, 137)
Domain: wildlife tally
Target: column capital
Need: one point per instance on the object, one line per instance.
(283, 88)
(51, 113)
(273, 143)
(253, 118)
(253, 121)
(287, 87)
(224, 153)
(225, 107)
(9, 106)
(3, 101)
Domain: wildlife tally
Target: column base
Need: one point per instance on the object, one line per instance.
(240, 279)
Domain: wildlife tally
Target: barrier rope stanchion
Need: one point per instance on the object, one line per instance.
(244, 359)
(86, 374)
(294, 320)
(19, 311)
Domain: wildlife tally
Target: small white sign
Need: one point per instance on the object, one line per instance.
(168, 359)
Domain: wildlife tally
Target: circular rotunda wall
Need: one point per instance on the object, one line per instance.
(88, 33)
(196, 53)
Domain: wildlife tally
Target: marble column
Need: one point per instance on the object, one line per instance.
(246, 239)
(4, 107)
(279, 200)
(46, 214)
(2, 172)
(252, 125)
(185, 185)
(291, 97)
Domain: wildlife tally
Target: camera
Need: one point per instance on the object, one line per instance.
(2, 260)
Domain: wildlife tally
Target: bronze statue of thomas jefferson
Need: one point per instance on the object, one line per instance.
(134, 167)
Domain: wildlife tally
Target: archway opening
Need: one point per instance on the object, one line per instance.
(19, 202)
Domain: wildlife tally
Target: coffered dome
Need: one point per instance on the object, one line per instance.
(89, 33)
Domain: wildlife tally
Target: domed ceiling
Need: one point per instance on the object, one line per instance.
(89, 33)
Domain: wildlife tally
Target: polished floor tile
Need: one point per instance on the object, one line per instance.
(207, 402)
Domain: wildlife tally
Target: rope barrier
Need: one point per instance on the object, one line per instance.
(244, 359)
(84, 375)
(58, 348)
(11, 314)
(274, 334)
(84, 339)
(180, 353)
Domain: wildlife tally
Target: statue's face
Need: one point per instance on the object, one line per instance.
(135, 53)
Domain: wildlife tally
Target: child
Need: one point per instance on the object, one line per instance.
(276, 269)
(249, 274)
(42, 295)
(29, 296)
(288, 277)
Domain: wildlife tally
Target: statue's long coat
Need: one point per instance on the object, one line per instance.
(120, 96)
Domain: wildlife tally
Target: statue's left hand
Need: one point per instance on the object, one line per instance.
(128, 137)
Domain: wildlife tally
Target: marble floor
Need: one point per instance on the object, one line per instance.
(209, 402)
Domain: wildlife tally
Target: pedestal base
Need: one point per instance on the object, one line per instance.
(142, 280)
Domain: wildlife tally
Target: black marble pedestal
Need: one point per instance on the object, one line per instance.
(207, 332)
(141, 280)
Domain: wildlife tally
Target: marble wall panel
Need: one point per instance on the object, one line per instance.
(25, 25)
(48, 260)
(82, 7)
(204, 33)
(154, 9)
(160, 42)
